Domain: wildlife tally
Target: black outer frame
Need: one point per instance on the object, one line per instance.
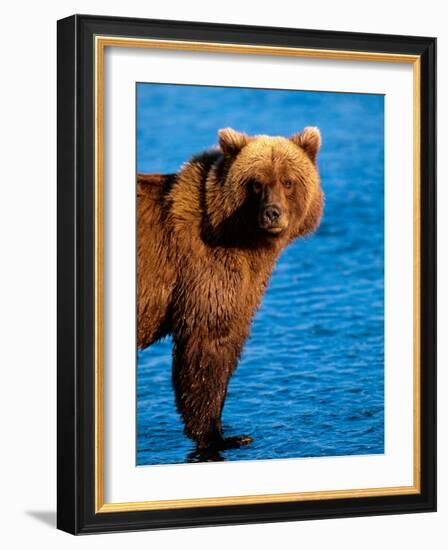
(75, 403)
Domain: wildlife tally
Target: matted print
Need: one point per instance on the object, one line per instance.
(260, 274)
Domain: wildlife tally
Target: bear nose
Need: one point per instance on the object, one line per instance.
(271, 214)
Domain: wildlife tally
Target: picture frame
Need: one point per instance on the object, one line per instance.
(82, 73)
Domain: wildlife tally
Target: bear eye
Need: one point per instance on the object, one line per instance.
(287, 184)
(256, 186)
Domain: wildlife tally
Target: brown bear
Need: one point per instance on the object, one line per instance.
(208, 238)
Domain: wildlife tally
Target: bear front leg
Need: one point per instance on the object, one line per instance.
(201, 374)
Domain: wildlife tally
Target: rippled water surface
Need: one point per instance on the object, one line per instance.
(310, 382)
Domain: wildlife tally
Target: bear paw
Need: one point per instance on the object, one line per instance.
(221, 443)
(236, 441)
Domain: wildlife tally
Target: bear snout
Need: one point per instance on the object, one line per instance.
(271, 214)
(271, 218)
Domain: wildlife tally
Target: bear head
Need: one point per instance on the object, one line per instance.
(273, 181)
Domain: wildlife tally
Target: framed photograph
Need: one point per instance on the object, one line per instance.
(246, 274)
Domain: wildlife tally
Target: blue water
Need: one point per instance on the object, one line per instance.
(311, 379)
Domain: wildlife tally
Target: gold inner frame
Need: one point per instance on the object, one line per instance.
(101, 42)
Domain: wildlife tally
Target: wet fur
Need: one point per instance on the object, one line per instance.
(203, 264)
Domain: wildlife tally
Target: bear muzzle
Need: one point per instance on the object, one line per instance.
(271, 219)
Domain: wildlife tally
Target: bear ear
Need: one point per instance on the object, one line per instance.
(309, 140)
(231, 141)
